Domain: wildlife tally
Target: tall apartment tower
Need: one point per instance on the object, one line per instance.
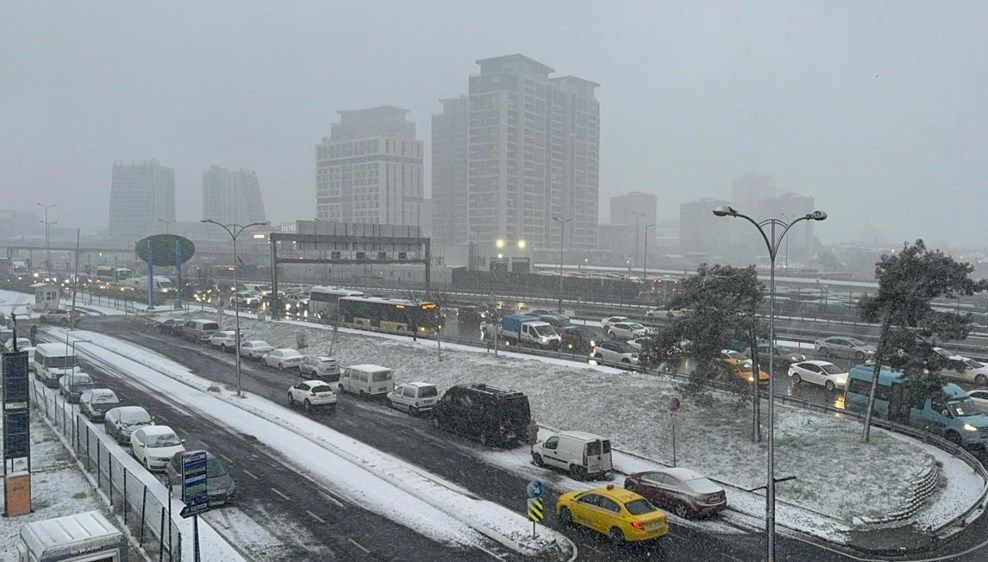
(449, 172)
(531, 154)
(141, 195)
(369, 170)
(231, 196)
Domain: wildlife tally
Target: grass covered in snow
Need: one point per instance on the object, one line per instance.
(837, 475)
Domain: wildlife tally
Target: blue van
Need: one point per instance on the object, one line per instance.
(949, 414)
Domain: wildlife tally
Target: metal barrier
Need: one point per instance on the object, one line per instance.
(138, 499)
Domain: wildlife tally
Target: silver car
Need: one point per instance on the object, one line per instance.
(120, 422)
(840, 346)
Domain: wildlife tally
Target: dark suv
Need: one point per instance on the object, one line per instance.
(484, 413)
(472, 314)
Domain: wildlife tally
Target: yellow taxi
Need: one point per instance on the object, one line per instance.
(616, 512)
(734, 364)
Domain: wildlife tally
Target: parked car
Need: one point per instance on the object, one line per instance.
(979, 398)
(72, 385)
(577, 339)
(119, 422)
(840, 346)
(684, 491)
(413, 397)
(219, 485)
(782, 356)
(155, 445)
(626, 330)
(606, 322)
(22, 343)
(367, 380)
(618, 513)
(484, 413)
(199, 330)
(225, 340)
(245, 299)
(613, 351)
(255, 349)
(56, 316)
(822, 373)
(96, 402)
(471, 314)
(581, 454)
(962, 368)
(557, 321)
(283, 358)
(312, 394)
(172, 326)
(323, 368)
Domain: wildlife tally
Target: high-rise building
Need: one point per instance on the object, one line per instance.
(699, 230)
(231, 196)
(531, 153)
(141, 195)
(369, 170)
(748, 190)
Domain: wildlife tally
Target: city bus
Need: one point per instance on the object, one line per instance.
(324, 301)
(390, 314)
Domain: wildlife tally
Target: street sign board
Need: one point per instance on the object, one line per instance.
(536, 509)
(16, 434)
(165, 249)
(535, 489)
(195, 494)
(15, 385)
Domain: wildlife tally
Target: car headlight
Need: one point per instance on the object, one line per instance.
(751, 378)
(969, 427)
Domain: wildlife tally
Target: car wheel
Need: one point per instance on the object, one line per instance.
(281, 366)
(147, 464)
(626, 361)
(681, 511)
(796, 378)
(858, 356)
(291, 400)
(617, 537)
(611, 333)
(308, 406)
(980, 380)
(223, 348)
(577, 472)
(829, 385)
(391, 404)
(413, 410)
(954, 437)
(565, 517)
(824, 352)
(537, 459)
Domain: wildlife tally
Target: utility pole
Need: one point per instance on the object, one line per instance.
(645, 261)
(562, 232)
(47, 236)
(75, 277)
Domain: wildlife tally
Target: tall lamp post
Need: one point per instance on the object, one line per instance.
(47, 235)
(562, 232)
(645, 260)
(773, 240)
(235, 230)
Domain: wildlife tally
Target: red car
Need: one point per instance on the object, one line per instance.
(681, 490)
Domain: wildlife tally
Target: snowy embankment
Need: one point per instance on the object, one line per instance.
(837, 476)
(377, 481)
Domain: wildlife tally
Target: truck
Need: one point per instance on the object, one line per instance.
(522, 329)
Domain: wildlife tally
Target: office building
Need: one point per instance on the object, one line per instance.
(531, 153)
(700, 231)
(142, 196)
(231, 196)
(369, 170)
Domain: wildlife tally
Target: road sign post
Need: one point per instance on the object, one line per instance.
(16, 412)
(195, 492)
(536, 509)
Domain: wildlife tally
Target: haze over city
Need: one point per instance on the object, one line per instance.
(874, 109)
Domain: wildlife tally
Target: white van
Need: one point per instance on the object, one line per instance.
(51, 361)
(582, 454)
(199, 330)
(367, 379)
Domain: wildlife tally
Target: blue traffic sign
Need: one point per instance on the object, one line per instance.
(535, 489)
(195, 493)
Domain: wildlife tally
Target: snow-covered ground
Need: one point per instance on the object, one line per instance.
(837, 476)
(58, 487)
(379, 482)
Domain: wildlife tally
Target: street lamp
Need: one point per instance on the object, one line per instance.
(562, 232)
(47, 236)
(645, 261)
(772, 242)
(235, 230)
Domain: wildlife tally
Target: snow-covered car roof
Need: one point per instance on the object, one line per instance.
(287, 351)
(158, 430)
(418, 384)
(818, 362)
(316, 382)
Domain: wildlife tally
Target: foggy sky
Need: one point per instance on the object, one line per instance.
(878, 109)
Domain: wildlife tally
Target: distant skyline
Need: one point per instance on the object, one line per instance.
(878, 111)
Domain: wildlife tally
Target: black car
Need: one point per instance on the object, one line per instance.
(484, 413)
(576, 339)
(472, 314)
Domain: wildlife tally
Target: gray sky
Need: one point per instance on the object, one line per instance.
(877, 109)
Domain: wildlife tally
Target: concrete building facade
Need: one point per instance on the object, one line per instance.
(449, 173)
(231, 196)
(141, 195)
(369, 170)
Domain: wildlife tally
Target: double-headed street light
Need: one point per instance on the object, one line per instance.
(47, 235)
(773, 240)
(235, 230)
(562, 233)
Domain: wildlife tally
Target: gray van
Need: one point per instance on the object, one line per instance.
(199, 330)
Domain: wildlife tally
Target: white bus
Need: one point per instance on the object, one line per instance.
(52, 360)
(110, 274)
(324, 302)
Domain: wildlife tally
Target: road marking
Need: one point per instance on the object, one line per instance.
(332, 499)
(275, 490)
(358, 545)
(251, 474)
(316, 517)
(226, 458)
(594, 548)
(182, 431)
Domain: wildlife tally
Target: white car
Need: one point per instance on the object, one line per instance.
(283, 358)
(224, 339)
(822, 373)
(413, 397)
(312, 394)
(637, 343)
(22, 343)
(154, 446)
(980, 399)
(614, 352)
(606, 322)
(963, 368)
(244, 298)
(320, 366)
(56, 316)
(255, 349)
(626, 330)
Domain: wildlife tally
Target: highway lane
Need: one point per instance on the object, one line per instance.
(414, 440)
(280, 513)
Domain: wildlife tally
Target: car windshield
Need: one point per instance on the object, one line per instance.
(81, 380)
(831, 369)
(634, 326)
(322, 388)
(135, 416)
(639, 507)
(382, 376)
(962, 408)
(855, 343)
(210, 327)
(64, 362)
(544, 330)
(164, 440)
(781, 350)
(973, 364)
(214, 468)
(735, 355)
(624, 348)
(104, 399)
(428, 392)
